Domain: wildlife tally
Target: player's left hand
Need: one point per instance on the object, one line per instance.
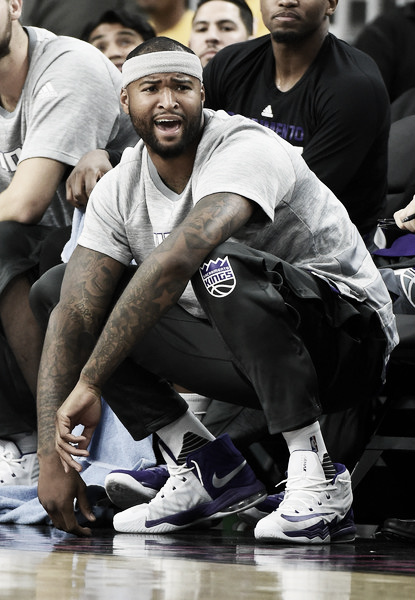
(82, 407)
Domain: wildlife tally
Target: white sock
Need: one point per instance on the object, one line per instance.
(306, 438)
(198, 404)
(311, 438)
(183, 436)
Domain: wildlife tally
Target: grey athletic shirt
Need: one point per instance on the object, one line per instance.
(69, 105)
(298, 219)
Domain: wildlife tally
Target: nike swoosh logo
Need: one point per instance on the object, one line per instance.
(219, 482)
(298, 518)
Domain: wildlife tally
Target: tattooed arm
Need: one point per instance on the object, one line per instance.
(156, 286)
(87, 290)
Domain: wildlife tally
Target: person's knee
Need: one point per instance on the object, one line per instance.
(44, 294)
(13, 241)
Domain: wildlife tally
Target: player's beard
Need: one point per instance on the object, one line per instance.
(191, 130)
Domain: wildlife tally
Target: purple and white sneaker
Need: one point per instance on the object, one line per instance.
(127, 488)
(314, 510)
(215, 481)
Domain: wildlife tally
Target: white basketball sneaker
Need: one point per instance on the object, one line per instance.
(17, 468)
(314, 510)
(215, 481)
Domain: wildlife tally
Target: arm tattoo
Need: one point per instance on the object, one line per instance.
(161, 279)
(87, 290)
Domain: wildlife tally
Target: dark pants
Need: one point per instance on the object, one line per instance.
(24, 250)
(282, 341)
(17, 405)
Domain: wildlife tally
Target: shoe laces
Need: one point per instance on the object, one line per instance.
(177, 474)
(307, 491)
(7, 458)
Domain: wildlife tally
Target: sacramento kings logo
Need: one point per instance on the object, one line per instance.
(218, 277)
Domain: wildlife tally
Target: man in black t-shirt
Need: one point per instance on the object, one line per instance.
(318, 93)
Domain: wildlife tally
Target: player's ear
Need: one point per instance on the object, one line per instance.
(124, 101)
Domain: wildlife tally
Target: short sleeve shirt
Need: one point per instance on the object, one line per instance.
(69, 105)
(298, 218)
(337, 115)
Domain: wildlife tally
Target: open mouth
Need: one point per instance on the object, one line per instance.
(168, 125)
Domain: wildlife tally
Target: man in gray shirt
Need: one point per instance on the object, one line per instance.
(252, 286)
(59, 97)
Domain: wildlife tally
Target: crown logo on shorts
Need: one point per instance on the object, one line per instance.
(218, 277)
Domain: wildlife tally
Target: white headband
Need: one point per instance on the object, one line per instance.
(173, 61)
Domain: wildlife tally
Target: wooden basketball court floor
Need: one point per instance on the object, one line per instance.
(41, 563)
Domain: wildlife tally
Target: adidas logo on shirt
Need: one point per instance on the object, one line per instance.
(267, 112)
(47, 91)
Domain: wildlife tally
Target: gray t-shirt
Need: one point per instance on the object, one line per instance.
(69, 105)
(298, 219)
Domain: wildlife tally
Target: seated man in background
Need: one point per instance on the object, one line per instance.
(253, 286)
(116, 32)
(323, 96)
(219, 23)
(49, 89)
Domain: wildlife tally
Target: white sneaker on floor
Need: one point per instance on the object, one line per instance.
(215, 482)
(17, 468)
(314, 510)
